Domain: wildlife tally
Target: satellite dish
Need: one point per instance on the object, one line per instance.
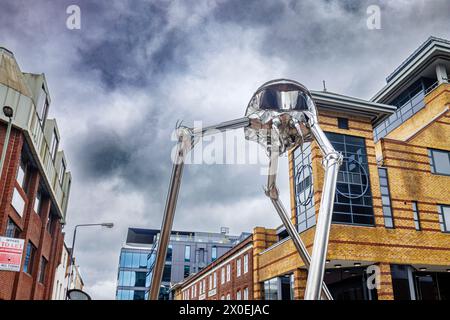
(76, 294)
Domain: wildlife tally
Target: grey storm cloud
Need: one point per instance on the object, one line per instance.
(135, 68)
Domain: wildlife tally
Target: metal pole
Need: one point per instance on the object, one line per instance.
(5, 145)
(166, 227)
(331, 162)
(69, 281)
(272, 192)
(186, 140)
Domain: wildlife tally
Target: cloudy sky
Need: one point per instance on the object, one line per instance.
(119, 84)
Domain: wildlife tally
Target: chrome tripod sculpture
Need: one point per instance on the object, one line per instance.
(280, 115)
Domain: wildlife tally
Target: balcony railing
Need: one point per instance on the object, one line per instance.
(403, 113)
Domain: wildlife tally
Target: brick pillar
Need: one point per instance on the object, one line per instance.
(33, 186)
(55, 258)
(259, 244)
(44, 213)
(300, 276)
(385, 292)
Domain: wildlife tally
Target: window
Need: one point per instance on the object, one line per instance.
(37, 202)
(444, 218)
(62, 171)
(343, 123)
(21, 176)
(48, 227)
(210, 282)
(304, 190)
(187, 253)
(439, 161)
(42, 105)
(416, 215)
(385, 198)
(246, 294)
(238, 267)
(17, 202)
(187, 271)
(271, 289)
(353, 199)
(228, 272)
(213, 253)
(245, 263)
(222, 276)
(54, 145)
(201, 287)
(222, 298)
(29, 257)
(12, 230)
(169, 253)
(238, 295)
(215, 280)
(228, 296)
(166, 273)
(42, 270)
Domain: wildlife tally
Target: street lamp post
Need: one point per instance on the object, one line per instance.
(105, 224)
(8, 112)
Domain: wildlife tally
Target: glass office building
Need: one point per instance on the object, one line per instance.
(188, 252)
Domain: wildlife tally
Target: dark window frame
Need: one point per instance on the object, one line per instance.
(12, 229)
(187, 253)
(359, 210)
(386, 207)
(42, 270)
(342, 123)
(445, 225)
(416, 215)
(432, 161)
(30, 253)
(304, 189)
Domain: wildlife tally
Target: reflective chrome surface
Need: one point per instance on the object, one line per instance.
(280, 115)
(286, 101)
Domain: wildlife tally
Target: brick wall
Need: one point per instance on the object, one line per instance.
(410, 180)
(19, 285)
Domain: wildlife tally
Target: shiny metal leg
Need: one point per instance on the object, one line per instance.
(166, 227)
(273, 194)
(331, 161)
(187, 139)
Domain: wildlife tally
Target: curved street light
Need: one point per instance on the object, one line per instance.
(108, 225)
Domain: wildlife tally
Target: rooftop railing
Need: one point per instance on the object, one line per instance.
(403, 113)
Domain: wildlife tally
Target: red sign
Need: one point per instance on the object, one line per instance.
(11, 250)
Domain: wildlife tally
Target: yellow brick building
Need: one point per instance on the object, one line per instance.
(391, 219)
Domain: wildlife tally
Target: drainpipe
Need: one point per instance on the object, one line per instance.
(8, 112)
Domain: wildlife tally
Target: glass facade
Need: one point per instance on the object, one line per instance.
(353, 199)
(188, 252)
(408, 103)
(304, 189)
(134, 277)
(349, 284)
(271, 289)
